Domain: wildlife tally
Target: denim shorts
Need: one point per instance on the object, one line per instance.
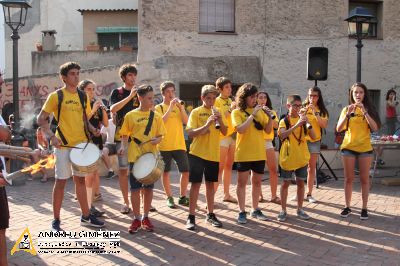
(314, 147)
(122, 159)
(350, 153)
(135, 185)
(300, 173)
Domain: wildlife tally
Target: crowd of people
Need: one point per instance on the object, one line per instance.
(224, 130)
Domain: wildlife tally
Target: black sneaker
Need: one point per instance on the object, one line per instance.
(191, 222)
(345, 212)
(96, 212)
(91, 220)
(55, 226)
(212, 219)
(364, 214)
(110, 175)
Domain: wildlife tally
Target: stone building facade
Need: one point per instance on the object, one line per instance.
(268, 46)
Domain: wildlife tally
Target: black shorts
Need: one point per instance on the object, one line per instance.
(4, 212)
(255, 166)
(179, 156)
(200, 167)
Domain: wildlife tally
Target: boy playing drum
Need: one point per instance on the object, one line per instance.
(141, 125)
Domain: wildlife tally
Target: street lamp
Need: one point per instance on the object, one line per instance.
(359, 22)
(15, 12)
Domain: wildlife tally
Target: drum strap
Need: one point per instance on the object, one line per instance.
(149, 124)
(148, 128)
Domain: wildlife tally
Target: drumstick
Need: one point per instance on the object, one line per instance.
(72, 147)
(147, 141)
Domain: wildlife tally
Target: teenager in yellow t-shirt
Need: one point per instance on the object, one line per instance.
(134, 127)
(264, 100)
(294, 154)
(250, 122)
(71, 124)
(173, 145)
(358, 119)
(205, 125)
(227, 144)
(317, 115)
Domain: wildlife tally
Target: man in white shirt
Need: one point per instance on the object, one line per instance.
(110, 147)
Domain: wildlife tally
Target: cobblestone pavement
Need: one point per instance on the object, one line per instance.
(326, 239)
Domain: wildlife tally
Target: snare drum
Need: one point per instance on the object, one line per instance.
(148, 168)
(84, 160)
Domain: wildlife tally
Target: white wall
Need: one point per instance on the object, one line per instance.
(62, 16)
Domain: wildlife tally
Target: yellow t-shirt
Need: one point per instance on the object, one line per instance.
(134, 125)
(174, 139)
(271, 135)
(71, 117)
(204, 146)
(358, 136)
(293, 155)
(250, 146)
(224, 105)
(314, 123)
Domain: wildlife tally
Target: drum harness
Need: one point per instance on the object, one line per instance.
(82, 99)
(148, 128)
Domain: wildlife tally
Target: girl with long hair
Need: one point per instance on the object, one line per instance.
(318, 116)
(250, 122)
(264, 100)
(358, 119)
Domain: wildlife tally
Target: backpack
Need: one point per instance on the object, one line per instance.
(280, 141)
(339, 136)
(83, 100)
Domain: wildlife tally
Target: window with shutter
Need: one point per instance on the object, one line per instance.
(217, 16)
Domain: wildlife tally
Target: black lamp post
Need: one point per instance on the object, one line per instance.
(15, 16)
(15, 12)
(359, 21)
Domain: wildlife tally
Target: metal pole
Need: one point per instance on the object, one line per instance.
(359, 45)
(15, 38)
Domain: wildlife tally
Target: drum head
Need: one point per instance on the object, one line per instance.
(144, 165)
(85, 157)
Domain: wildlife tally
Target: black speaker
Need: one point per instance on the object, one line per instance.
(317, 63)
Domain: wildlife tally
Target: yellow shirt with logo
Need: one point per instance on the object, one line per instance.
(250, 145)
(314, 123)
(358, 136)
(271, 135)
(134, 125)
(71, 116)
(204, 146)
(224, 105)
(174, 139)
(294, 152)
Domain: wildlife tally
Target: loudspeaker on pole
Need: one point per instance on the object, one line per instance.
(317, 63)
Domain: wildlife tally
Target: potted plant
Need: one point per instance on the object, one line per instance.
(126, 47)
(92, 46)
(39, 47)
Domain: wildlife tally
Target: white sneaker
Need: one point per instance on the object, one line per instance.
(294, 198)
(125, 209)
(311, 199)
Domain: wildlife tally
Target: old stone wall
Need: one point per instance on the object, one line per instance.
(278, 33)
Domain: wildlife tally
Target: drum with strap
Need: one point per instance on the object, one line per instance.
(148, 168)
(84, 157)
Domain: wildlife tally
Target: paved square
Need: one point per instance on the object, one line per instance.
(326, 239)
